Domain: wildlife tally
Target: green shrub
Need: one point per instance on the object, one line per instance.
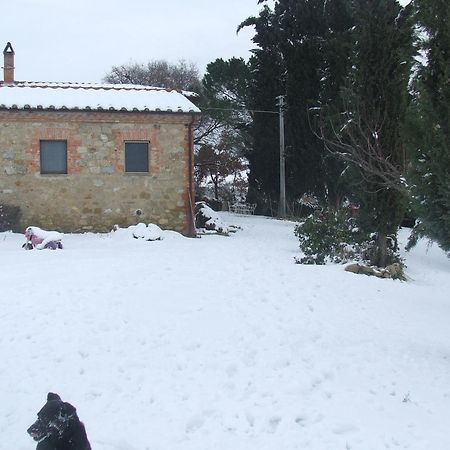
(334, 236)
(328, 235)
(9, 217)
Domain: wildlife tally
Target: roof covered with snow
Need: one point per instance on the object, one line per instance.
(99, 97)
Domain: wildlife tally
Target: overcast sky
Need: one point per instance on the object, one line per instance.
(80, 40)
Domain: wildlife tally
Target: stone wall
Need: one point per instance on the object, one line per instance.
(96, 193)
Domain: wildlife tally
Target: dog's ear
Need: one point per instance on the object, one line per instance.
(51, 396)
(68, 410)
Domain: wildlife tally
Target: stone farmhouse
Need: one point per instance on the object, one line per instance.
(81, 157)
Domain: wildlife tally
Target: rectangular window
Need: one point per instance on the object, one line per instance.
(136, 157)
(53, 156)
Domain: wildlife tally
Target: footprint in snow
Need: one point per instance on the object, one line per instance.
(83, 354)
(231, 370)
(345, 428)
(250, 419)
(194, 424)
(300, 421)
(273, 424)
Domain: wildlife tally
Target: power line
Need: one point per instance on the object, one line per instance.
(281, 104)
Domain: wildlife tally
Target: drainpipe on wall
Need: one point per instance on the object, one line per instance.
(8, 64)
(191, 194)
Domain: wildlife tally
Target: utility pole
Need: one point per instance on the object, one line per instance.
(282, 204)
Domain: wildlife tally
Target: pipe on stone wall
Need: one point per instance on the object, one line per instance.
(191, 194)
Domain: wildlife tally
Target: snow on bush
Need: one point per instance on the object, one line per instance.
(208, 219)
(329, 236)
(150, 232)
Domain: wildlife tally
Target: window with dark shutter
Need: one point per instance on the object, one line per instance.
(136, 157)
(53, 155)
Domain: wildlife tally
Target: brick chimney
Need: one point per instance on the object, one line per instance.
(8, 65)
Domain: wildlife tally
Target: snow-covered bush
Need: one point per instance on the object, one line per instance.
(334, 236)
(328, 235)
(150, 232)
(208, 219)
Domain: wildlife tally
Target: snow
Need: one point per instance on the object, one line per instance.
(133, 87)
(150, 232)
(224, 343)
(102, 97)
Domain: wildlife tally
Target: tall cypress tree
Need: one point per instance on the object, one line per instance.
(301, 27)
(429, 133)
(302, 53)
(267, 82)
(376, 101)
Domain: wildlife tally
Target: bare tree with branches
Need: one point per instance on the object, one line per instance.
(360, 143)
(159, 73)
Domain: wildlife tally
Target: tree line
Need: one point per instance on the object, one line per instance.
(367, 94)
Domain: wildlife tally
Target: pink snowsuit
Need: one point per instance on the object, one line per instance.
(37, 240)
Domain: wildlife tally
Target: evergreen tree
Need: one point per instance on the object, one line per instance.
(225, 103)
(315, 42)
(266, 83)
(429, 131)
(302, 53)
(376, 99)
(228, 81)
(337, 50)
(222, 136)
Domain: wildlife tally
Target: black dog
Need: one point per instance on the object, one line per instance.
(58, 427)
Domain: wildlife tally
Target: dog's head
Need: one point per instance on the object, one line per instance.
(53, 419)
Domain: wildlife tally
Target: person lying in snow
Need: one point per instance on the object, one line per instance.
(40, 239)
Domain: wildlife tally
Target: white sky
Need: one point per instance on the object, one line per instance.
(80, 40)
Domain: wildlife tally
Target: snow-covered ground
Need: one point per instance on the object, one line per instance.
(223, 343)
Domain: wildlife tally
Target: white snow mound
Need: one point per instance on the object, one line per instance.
(150, 232)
